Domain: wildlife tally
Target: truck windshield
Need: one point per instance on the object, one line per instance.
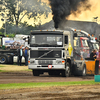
(96, 46)
(46, 40)
(85, 43)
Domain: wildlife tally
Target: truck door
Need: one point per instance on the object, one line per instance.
(68, 44)
(77, 48)
(85, 47)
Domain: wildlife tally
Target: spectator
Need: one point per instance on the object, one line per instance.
(93, 55)
(20, 53)
(97, 52)
(26, 54)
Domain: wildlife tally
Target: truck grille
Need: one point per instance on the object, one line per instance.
(45, 62)
(40, 54)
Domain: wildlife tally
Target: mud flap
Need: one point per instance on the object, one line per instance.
(97, 67)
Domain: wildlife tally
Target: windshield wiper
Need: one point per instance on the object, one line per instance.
(48, 45)
(35, 45)
(45, 44)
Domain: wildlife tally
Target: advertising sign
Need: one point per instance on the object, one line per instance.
(14, 44)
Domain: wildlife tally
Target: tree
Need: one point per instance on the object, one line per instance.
(16, 10)
(23, 28)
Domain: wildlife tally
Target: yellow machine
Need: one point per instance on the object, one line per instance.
(91, 67)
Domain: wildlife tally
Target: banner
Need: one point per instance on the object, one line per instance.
(14, 44)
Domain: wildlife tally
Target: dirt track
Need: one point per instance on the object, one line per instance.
(86, 92)
(26, 76)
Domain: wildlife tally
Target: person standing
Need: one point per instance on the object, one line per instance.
(20, 53)
(26, 54)
(93, 55)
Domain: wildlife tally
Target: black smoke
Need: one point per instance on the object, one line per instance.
(61, 9)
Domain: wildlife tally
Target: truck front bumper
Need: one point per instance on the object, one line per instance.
(53, 67)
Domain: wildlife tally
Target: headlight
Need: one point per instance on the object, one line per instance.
(32, 61)
(58, 62)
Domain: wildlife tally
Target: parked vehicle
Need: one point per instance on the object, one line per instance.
(9, 46)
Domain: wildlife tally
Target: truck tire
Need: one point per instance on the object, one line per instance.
(66, 72)
(35, 72)
(3, 59)
(84, 70)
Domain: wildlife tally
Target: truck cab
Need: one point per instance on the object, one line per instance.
(92, 42)
(81, 46)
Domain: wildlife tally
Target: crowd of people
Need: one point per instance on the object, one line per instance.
(93, 55)
(85, 54)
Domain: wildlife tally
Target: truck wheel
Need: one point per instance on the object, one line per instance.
(35, 72)
(66, 72)
(3, 59)
(84, 70)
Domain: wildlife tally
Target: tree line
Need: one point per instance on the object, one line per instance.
(12, 13)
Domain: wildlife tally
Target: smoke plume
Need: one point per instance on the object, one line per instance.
(61, 9)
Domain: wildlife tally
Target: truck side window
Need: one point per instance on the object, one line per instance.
(76, 43)
(66, 39)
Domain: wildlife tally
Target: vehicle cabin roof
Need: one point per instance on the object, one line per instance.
(47, 32)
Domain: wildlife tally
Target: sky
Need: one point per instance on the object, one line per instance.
(83, 16)
(89, 14)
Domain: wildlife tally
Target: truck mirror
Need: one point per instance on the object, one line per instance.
(75, 34)
(99, 37)
(66, 39)
(28, 40)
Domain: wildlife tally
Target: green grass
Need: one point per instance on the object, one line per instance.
(3, 71)
(0, 70)
(2, 66)
(45, 84)
(28, 70)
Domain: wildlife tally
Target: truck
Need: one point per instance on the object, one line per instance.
(5, 54)
(54, 52)
(91, 40)
(9, 46)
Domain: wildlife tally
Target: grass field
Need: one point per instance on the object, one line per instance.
(44, 84)
(7, 68)
(45, 90)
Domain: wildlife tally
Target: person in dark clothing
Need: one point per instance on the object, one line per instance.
(93, 55)
(26, 54)
(20, 53)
